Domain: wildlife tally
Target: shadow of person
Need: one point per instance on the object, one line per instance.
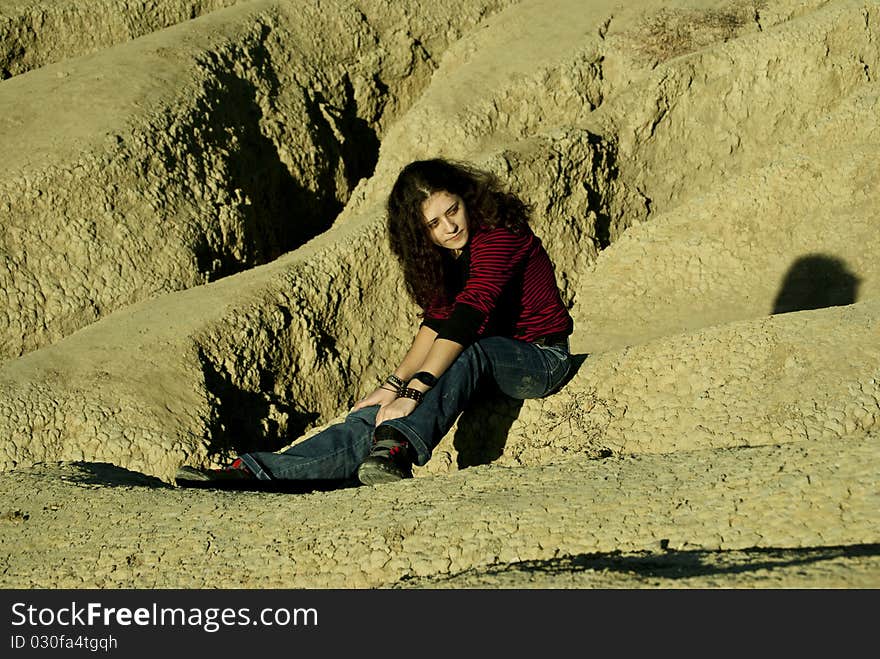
(484, 425)
(816, 281)
(683, 564)
(275, 486)
(109, 475)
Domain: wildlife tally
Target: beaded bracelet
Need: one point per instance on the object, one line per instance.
(395, 381)
(413, 394)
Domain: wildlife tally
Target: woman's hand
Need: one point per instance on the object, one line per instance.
(390, 406)
(396, 409)
(380, 396)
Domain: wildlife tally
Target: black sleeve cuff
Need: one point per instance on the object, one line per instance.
(463, 325)
(435, 324)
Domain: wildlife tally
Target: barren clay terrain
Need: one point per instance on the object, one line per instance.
(193, 263)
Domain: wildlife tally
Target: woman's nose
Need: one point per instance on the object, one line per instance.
(449, 226)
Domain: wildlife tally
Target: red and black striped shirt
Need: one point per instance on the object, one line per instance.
(503, 284)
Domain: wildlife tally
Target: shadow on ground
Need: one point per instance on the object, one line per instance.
(816, 281)
(684, 564)
(484, 426)
(106, 474)
(102, 474)
(280, 487)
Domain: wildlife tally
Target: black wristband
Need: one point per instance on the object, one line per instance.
(425, 378)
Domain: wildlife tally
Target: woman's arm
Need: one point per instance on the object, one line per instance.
(439, 357)
(411, 364)
(413, 361)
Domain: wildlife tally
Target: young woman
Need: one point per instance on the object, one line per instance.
(491, 312)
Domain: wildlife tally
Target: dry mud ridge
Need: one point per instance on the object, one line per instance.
(193, 263)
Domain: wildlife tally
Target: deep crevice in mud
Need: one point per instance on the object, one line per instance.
(266, 191)
(259, 398)
(346, 139)
(244, 420)
(249, 163)
(278, 213)
(600, 203)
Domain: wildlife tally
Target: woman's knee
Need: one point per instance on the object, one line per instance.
(365, 415)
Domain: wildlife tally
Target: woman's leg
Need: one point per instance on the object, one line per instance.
(521, 370)
(334, 453)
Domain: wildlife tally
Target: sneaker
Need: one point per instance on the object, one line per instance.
(390, 459)
(236, 472)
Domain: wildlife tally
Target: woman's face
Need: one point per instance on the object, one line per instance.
(446, 219)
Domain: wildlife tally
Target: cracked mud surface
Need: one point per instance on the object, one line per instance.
(192, 243)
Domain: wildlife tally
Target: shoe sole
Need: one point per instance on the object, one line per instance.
(379, 472)
(191, 475)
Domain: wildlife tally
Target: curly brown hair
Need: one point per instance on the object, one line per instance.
(486, 202)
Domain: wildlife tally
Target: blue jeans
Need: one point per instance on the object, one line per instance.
(519, 369)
